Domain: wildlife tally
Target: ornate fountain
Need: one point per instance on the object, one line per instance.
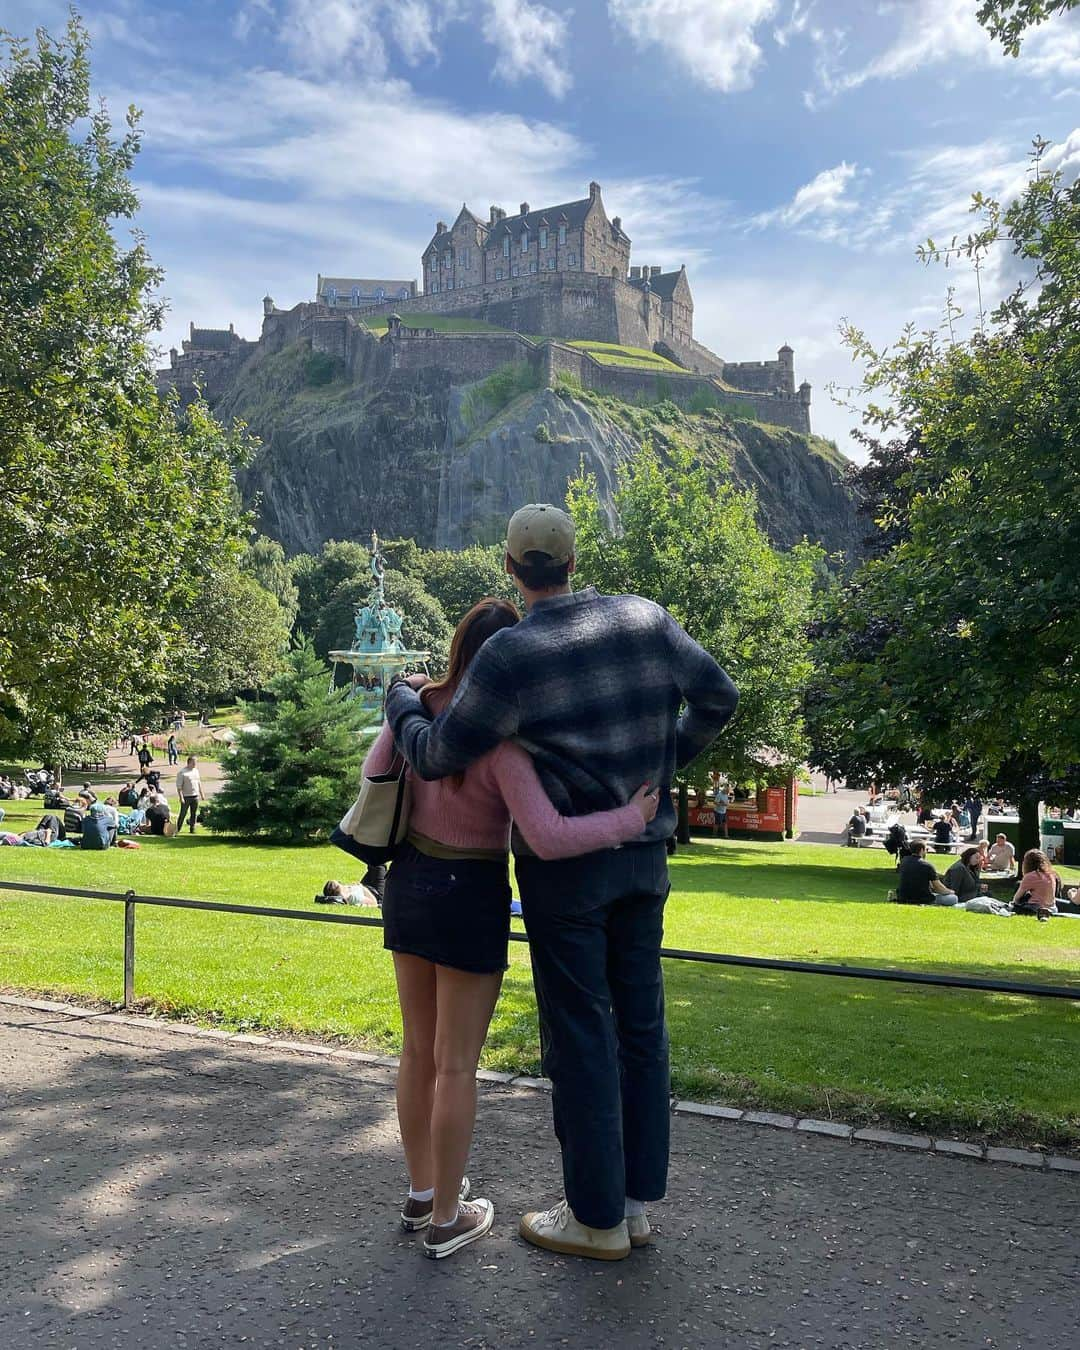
(377, 654)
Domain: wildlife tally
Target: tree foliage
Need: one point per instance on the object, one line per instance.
(955, 654)
(234, 635)
(1009, 20)
(264, 559)
(112, 513)
(316, 576)
(459, 580)
(695, 547)
(293, 778)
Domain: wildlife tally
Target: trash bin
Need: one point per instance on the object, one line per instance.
(1052, 840)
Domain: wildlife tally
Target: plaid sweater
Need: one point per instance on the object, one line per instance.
(591, 686)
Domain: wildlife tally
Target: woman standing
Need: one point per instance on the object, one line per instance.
(446, 915)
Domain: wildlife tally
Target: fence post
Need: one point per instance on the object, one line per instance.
(129, 949)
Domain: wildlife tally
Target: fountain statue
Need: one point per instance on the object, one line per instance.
(378, 652)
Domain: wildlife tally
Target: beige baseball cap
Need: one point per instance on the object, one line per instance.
(540, 528)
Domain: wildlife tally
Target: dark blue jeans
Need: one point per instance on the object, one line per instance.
(595, 928)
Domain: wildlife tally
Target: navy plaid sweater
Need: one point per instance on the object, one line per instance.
(591, 686)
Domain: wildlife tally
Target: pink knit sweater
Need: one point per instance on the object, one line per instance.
(501, 785)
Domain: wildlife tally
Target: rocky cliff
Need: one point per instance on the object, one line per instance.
(413, 455)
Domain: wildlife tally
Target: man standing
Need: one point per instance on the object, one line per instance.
(189, 790)
(721, 801)
(592, 687)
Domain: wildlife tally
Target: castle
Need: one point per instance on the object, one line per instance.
(560, 274)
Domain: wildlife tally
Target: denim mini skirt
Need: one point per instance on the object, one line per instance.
(451, 911)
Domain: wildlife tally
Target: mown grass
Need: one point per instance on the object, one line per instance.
(614, 354)
(977, 1064)
(441, 323)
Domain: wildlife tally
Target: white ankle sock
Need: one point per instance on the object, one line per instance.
(634, 1208)
(454, 1219)
(422, 1195)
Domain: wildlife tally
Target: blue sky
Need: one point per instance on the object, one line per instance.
(792, 153)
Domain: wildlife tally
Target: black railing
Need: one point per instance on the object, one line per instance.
(130, 900)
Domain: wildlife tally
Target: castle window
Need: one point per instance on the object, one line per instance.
(515, 270)
(435, 288)
(532, 265)
(380, 293)
(450, 284)
(571, 260)
(543, 236)
(562, 234)
(498, 274)
(524, 241)
(506, 246)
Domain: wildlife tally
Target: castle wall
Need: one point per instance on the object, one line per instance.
(464, 356)
(760, 376)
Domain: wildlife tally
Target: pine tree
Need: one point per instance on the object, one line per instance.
(294, 777)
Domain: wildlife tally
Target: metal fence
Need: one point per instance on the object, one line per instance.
(130, 900)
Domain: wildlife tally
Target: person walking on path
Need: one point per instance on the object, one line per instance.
(190, 791)
(592, 685)
(446, 917)
(172, 749)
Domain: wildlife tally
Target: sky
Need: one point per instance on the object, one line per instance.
(792, 153)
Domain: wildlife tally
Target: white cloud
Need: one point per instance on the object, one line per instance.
(333, 140)
(530, 40)
(713, 40)
(935, 33)
(797, 22)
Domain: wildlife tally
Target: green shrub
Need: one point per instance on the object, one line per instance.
(703, 399)
(543, 434)
(501, 387)
(319, 369)
(567, 385)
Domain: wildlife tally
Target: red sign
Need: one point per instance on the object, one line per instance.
(746, 817)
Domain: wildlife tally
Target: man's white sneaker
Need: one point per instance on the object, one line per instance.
(557, 1230)
(637, 1225)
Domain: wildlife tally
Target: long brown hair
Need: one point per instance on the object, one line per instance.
(1036, 861)
(486, 617)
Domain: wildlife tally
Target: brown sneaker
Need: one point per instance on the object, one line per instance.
(473, 1220)
(416, 1214)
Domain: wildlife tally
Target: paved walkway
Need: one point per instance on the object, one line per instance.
(163, 1191)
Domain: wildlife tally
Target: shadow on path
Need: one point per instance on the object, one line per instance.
(162, 1193)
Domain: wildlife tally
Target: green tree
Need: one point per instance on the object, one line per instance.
(317, 576)
(264, 559)
(694, 546)
(459, 580)
(1009, 20)
(955, 654)
(113, 511)
(234, 636)
(294, 777)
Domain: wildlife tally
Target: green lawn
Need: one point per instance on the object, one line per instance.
(612, 354)
(985, 1065)
(442, 323)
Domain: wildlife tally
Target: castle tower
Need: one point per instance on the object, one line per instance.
(786, 359)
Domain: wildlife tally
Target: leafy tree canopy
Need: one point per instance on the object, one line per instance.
(955, 653)
(317, 575)
(113, 513)
(264, 559)
(695, 547)
(294, 777)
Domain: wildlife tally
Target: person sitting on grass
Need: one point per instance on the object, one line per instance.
(963, 876)
(75, 815)
(97, 832)
(1002, 855)
(1038, 886)
(918, 882)
(158, 812)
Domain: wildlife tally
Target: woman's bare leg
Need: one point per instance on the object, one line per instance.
(465, 1004)
(416, 1070)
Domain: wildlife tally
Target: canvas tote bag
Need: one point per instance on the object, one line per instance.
(378, 821)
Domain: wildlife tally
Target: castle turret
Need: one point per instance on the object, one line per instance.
(786, 359)
(804, 393)
(268, 304)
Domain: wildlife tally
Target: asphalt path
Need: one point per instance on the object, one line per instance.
(163, 1191)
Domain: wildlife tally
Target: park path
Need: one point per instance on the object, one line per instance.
(160, 1190)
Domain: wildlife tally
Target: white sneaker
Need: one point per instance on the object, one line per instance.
(557, 1230)
(637, 1225)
